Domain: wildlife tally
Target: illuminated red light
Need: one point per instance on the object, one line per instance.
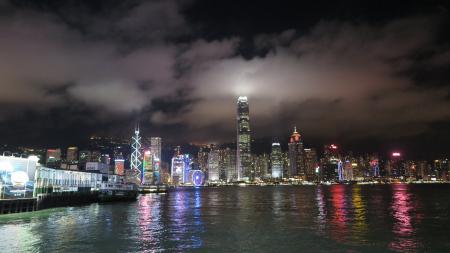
(333, 146)
(396, 154)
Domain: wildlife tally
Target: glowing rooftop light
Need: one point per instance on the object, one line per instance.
(333, 146)
(396, 154)
(275, 144)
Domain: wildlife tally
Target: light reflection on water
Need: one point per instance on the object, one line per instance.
(359, 209)
(337, 218)
(403, 207)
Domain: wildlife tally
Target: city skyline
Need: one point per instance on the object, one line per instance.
(366, 78)
(217, 165)
(224, 126)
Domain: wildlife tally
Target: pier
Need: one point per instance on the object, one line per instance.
(27, 186)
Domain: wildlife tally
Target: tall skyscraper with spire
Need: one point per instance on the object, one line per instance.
(243, 155)
(296, 156)
(136, 156)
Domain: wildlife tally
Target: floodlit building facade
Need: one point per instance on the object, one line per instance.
(243, 149)
(276, 161)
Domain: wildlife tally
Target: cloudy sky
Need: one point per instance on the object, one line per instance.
(366, 75)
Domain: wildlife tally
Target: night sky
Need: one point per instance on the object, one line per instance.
(369, 76)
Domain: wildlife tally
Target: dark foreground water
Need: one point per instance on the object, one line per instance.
(338, 218)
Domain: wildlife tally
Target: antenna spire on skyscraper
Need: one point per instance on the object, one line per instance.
(136, 127)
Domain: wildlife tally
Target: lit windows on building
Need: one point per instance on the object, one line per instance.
(243, 149)
(276, 160)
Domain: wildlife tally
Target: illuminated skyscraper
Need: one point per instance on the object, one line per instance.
(177, 169)
(156, 170)
(261, 166)
(213, 165)
(155, 147)
(231, 172)
(243, 155)
(330, 163)
(396, 166)
(296, 156)
(181, 169)
(119, 166)
(227, 165)
(310, 164)
(276, 159)
(147, 176)
(136, 156)
(202, 159)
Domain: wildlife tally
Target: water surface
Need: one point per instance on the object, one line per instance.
(337, 218)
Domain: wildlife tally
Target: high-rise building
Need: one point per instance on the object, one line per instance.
(119, 166)
(276, 160)
(147, 168)
(177, 169)
(231, 173)
(296, 156)
(180, 169)
(156, 170)
(227, 164)
(136, 158)
(155, 147)
(202, 159)
(286, 164)
(330, 164)
(310, 164)
(213, 165)
(423, 170)
(187, 176)
(441, 168)
(243, 149)
(348, 170)
(396, 167)
(262, 166)
(72, 154)
(411, 171)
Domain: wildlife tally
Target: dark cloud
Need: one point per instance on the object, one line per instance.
(156, 61)
(339, 79)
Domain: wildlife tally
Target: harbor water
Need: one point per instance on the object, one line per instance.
(335, 218)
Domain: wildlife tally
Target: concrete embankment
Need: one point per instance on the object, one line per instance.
(61, 199)
(8, 206)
